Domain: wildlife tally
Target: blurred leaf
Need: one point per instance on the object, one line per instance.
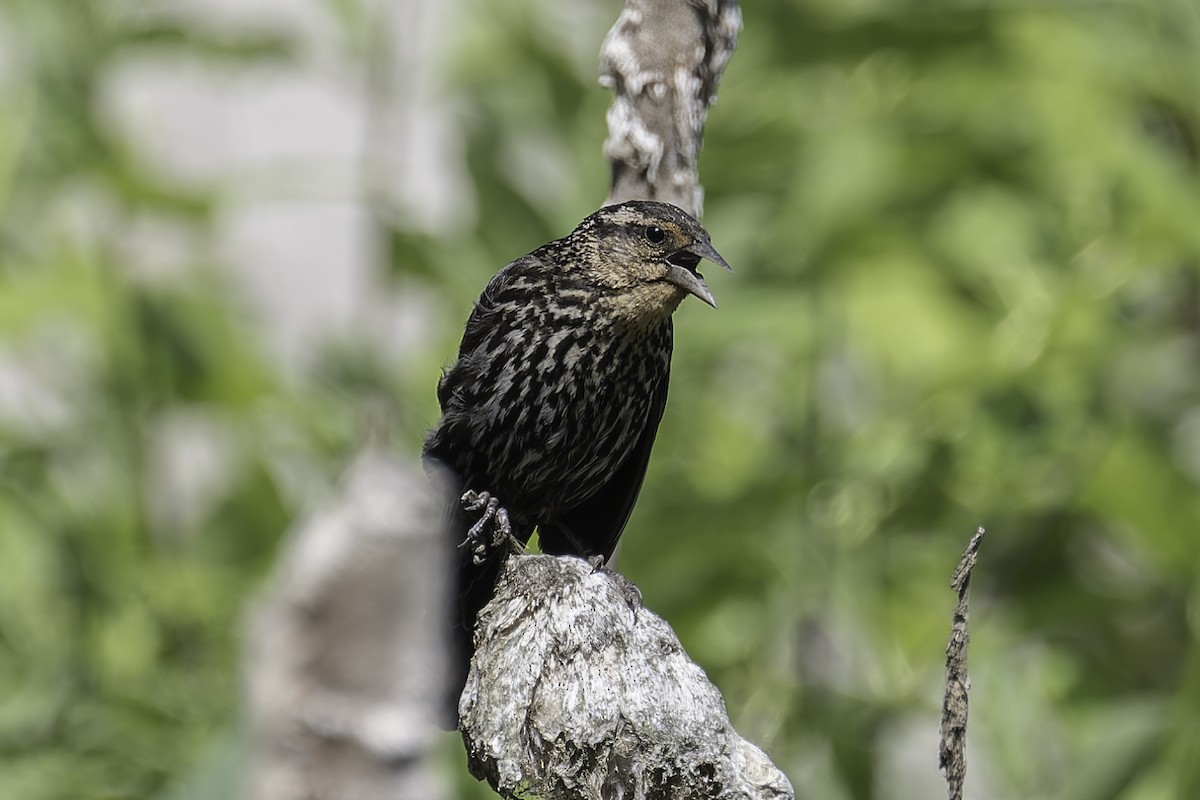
(967, 291)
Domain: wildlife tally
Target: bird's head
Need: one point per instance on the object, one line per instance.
(644, 256)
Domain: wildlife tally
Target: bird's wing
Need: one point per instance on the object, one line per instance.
(516, 276)
(493, 310)
(596, 523)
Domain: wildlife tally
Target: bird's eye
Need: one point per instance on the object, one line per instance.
(656, 234)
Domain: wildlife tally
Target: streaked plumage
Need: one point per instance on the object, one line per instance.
(555, 398)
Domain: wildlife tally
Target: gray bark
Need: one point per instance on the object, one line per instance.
(663, 60)
(576, 691)
(344, 653)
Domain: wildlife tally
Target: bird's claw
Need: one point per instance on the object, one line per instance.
(631, 593)
(495, 516)
(629, 590)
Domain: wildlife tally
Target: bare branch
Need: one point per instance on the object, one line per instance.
(663, 59)
(345, 657)
(576, 691)
(952, 753)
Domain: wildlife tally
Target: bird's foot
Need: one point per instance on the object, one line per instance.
(494, 516)
(632, 594)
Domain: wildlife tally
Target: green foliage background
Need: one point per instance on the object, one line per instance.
(967, 242)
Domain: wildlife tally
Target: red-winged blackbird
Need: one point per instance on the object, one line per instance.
(550, 410)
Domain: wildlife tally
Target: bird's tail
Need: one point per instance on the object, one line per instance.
(474, 586)
(471, 589)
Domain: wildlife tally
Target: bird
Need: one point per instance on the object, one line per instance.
(550, 410)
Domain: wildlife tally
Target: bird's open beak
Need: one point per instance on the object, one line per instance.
(682, 269)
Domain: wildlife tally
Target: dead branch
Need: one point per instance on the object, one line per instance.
(576, 691)
(663, 60)
(952, 750)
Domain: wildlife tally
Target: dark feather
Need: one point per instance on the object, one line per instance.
(600, 519)
(554, 401)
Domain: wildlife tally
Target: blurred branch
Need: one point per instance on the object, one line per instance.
(952, 751)
(663, 59)
(344, 658)
(576, 691)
